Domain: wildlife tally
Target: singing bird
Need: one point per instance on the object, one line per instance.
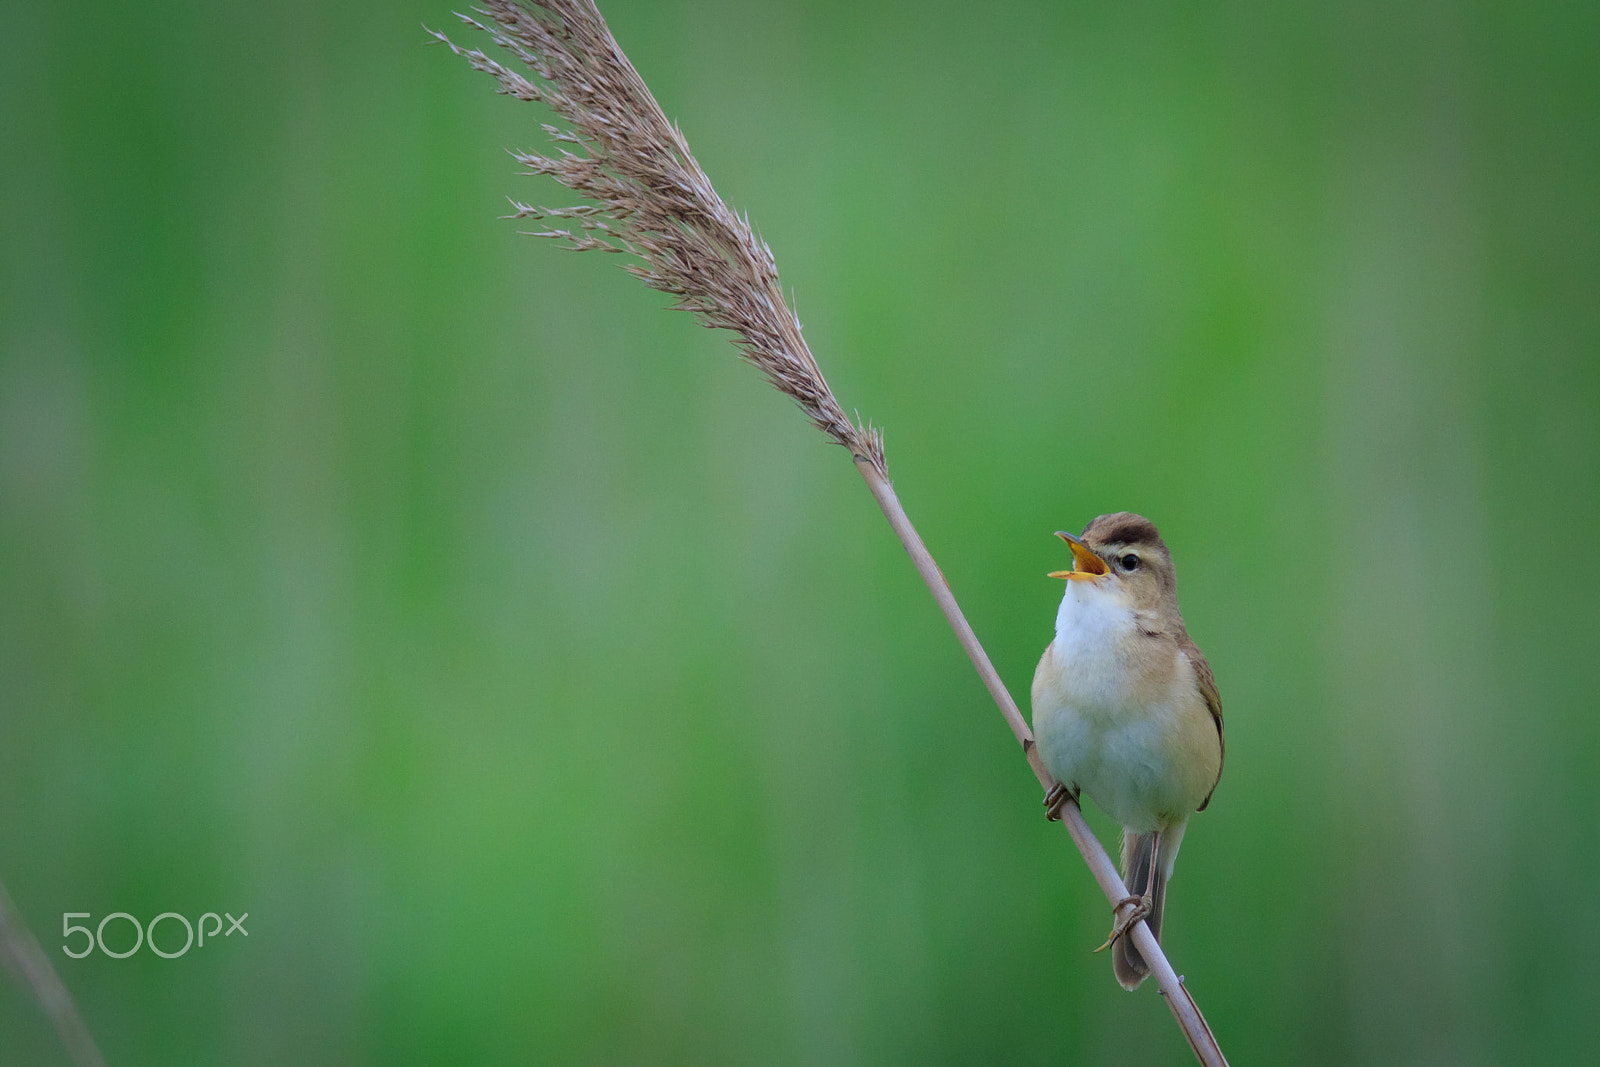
(1126, 710)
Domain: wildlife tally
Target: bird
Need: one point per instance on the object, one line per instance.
(1126, 710)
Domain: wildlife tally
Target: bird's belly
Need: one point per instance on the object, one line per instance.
(1139, 756)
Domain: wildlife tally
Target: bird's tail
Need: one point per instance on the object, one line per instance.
(1144, 874)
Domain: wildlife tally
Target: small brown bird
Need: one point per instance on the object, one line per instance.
(1125, 709)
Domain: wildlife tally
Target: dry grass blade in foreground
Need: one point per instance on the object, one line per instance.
(654, 201)
(21, 954)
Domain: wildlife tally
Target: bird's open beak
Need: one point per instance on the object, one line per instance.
(1086, 562)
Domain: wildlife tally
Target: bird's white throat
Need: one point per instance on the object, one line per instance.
(1095, 636)
(1094, 617)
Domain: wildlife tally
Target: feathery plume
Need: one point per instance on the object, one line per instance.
(651, 197)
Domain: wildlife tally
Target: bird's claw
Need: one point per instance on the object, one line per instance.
(1123, 923)
(1058, 795)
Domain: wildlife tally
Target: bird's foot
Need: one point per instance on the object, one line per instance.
(1122, 923)
(1058, 795)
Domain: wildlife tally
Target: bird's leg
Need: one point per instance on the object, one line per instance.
(1058, 795)
(1121, 924)
(1155, 860)
(1142, 904)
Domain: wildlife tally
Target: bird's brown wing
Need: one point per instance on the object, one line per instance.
(1208, 689)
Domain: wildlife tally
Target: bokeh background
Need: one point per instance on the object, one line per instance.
(546, 690)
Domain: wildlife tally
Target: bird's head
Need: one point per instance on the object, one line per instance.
(1123, 550)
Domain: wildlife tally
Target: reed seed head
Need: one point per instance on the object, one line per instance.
(650, 197)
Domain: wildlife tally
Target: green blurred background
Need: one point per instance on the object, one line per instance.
(546, 690)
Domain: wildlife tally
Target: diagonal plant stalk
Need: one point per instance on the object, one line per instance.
(653, 201)
(21, 954)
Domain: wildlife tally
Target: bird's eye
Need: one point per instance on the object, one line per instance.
(1129, 562)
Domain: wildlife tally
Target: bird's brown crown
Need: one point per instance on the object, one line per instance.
(1123, 528)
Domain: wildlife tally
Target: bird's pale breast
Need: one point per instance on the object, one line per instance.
(1118, 714)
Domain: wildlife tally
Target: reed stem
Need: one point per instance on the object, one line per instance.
(20, 952)
(1182, 1004)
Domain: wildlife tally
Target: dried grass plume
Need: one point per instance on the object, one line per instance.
(651, 197)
